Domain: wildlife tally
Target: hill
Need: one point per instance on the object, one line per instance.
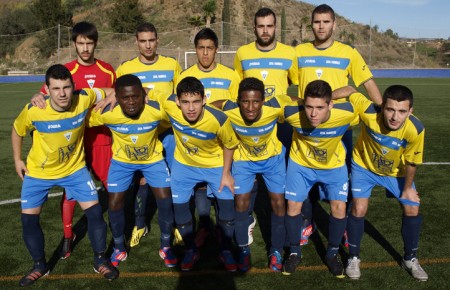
(380, 49)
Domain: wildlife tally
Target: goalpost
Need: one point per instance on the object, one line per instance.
(222, 57)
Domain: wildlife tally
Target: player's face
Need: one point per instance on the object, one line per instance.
(147, 43)
(191, 106)
(317, 110)
(61, 92)
(85, 49)
(250, 105)
(131, 100)
(265, 31)
(395, 113)
(322, 27)
(206, 53)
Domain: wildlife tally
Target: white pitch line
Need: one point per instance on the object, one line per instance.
(436, 163)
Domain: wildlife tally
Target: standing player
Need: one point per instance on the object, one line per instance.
(259, 152)
(136, 147)
(87, 72)
(334, 62)
(220, 83)
(317, 156)
(159, 74)
(57, 158)
(205, 142)
(386, 154)
(272, 62)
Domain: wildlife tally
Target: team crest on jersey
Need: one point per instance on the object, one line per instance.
(255, 139)
(264, 74)
(384, 151)
(151, 86)
(208, 94)
(134, 139)
(68, 136)
(184, 139)
(91, 83)
(319, 73)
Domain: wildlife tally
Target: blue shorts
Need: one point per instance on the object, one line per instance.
(184, 178)
(121, 174)
(272, 169)
(79, 186)
(364, 180)
(300, 179)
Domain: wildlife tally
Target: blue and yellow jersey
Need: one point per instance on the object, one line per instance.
(381, 150)
(257, 141)
(221, 83)
(160, 76)
(200, 144)
(57, 149)
(135, 141)
(335, 65)
(320, 147)
(273, 67)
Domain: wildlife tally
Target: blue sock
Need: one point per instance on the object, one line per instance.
(410, 233)
(293, 229)
(241, 228)
(336, 228)
(165, 220)
(278, 232)
(117, 223)
(355, 231)
(96, 228)
(183, 220)
(226, 221)
(140, 205)
(203, 206)
(34, 237)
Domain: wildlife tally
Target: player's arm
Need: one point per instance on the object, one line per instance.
(108, 99)
(343, 92)
(409, 192)
(373, 91)
(17, 142)
(227, 179)
(38, 99)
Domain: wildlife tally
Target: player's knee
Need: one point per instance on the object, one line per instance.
(116, 201)
(242, 202)
(182, 213)
(410, 210)
(279, 206)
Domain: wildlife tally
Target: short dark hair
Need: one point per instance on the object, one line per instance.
(85, 29)
(127, 81)
(398, 93)
(146, 27)
(190, 85)
(57, 72)
(263, 12)
(250, 84)
(322, 9)
(318, 89)
(206, 33)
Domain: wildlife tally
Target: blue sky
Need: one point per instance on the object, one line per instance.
(408, 18)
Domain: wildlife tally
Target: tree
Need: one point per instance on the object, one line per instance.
(303, 23)
(283, 26)
(209, 11)
(226, 19)
(195, 21)
(50, 14)
(125, 15)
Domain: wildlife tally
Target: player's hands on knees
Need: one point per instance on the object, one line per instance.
(410, 194)
(228, 181)
(21, 168)
(38, 100)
